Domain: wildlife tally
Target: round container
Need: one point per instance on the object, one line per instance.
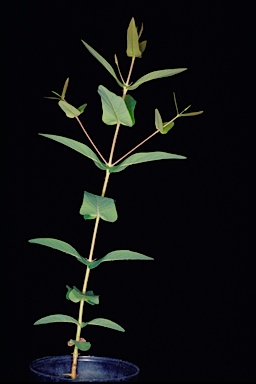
(89, 369)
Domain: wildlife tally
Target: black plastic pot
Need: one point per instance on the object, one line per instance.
(90, 369)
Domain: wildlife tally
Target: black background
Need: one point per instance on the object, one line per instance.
(189, 315)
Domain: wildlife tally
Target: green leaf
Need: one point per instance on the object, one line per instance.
(191, 113)
(118, 256)
(166, 128)
(60, 246)
(65, 89)
(133, 49)
(158, 121)
(114, 108)
(130, 104)
(104, 62)
(142, 46)
(142, 158)
(78, 147)
(55, 93)
(156, 75)
(56, 319)
(82, 345)
(97, 206)
(82, 107)
(75, 295)
(69, 109)
(104, 323)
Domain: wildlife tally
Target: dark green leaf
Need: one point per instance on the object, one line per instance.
(82, 107)
(104, 323)
(56, 319)
(82, 345)
(118, 256)
(130, 104)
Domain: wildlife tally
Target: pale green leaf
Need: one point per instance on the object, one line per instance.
(114, 108)
(98, 206)
(191, 113)
(65, 89)
(103, 61)
(104, 323)
(56, 319)
(158, 121)
(133, 49)
(167, 127)
(118, 256)
(156, 75)
(143, 45)
(70, 111)
(82, 345)
(60, 246)
(78, 147)
(143, 157)
(55, 93)
(130, 104)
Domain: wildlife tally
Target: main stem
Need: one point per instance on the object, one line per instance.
(73, 374)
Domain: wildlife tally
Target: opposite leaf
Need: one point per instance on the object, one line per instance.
(104, 323)
(133, 49)
(75, 295)
(56, 319)
(104, 62)
(69, 109)
(114, 108)
(78, 147)
(97, 206)
(60, 246)
(82, 345)
(143, 157)
(156, 75)
(118, 256)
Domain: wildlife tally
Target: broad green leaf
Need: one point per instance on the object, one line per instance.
(130, 104)
(82, 107)
(118, 256)
(158, 121)
(167, 127)
(142, 158)
(75, 295)
(97, 206)
(78, 147)
(82, 345)
(191, 113)
(56, 319)
(65, 89)
(133, 49)
(104, 323)
(103, 61)
(156, 75)
(114, 108)
(60, 246)
(69, 109)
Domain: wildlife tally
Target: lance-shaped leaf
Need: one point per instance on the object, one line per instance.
(56, 319)
(118, 256)
(142, 46)
(69, 109)
(60, 246)
(130, 104)
(104, 323)
(78, 147)
(156, 75)
(167, 127)
(191, 113)
(64, 90)
(144, 157)
(97, 206)
(75, 295)
(114, 108)
(133, 49)
(82, 345)
(103, 61)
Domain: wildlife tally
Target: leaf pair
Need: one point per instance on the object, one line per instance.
(162, 127)
(136, 158)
